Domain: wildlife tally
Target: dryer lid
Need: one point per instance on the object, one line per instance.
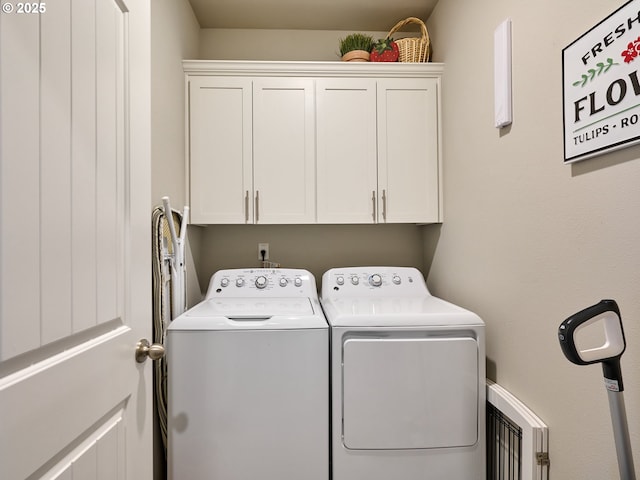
(389, 311)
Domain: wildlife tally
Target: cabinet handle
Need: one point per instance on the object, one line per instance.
(384, 205)
(373, 200)
(246, 207)
(257, 206)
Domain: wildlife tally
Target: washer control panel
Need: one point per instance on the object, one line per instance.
(365, 281)
(256, 282)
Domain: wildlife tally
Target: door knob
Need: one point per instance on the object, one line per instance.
(144, 349)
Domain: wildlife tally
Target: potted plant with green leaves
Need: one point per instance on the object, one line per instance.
(356, 47)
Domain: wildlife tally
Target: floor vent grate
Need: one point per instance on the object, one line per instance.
(517, 440)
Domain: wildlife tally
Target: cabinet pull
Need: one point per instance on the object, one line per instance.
(257, 206)
(384, 205)
(246, 207)
(373, 200)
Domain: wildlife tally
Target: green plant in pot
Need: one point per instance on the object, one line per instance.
(356, 47)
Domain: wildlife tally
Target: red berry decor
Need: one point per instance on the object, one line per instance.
(385, 51)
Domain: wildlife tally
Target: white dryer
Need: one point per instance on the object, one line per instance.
(248, 380)
(408, 379)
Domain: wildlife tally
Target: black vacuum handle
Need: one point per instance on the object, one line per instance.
(566, 331)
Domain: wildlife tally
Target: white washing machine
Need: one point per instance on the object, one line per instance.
(408, 379)
(248, 380)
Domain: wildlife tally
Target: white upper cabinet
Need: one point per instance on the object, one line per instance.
(408, 151)
(378, 150)
(347, 171)
(314, 142)
(284, 150)
(252, 150)
(220, 141)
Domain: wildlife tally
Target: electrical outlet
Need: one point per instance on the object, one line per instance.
(265, 247)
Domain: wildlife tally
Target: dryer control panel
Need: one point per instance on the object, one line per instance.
(374, 281)
(262, 282)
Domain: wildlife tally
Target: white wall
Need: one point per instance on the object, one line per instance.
(526, 240)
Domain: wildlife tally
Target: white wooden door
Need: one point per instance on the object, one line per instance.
(346, 151)
(220, 144)
(408, 150)
(284, 150)
(74, 240)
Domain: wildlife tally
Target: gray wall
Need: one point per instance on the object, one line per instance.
(313, 247)
(526, 240)
(175, 35)
(316, 248)
(239, 44)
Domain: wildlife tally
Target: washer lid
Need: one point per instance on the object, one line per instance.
(396, 311)
(252, 314)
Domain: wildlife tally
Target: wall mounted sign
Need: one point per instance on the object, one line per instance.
(601, 86)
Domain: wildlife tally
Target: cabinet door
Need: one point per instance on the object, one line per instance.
(220, 150)
(408, 150)
(346, 136)
(284, 150)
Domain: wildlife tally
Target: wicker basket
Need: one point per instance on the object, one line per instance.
(413, 49)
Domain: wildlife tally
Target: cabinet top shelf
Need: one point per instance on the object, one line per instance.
(315, 69)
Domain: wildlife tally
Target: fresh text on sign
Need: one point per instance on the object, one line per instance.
(611, 37)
